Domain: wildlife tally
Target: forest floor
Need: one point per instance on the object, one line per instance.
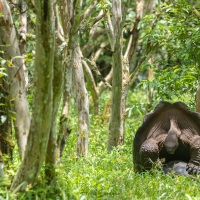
(105, 175)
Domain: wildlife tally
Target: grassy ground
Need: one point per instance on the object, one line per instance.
(110, 176)
(107, 176)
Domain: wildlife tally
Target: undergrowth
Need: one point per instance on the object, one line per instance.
(105, 175)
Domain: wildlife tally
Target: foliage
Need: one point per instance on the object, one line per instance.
(2, 69)
(170, 36)
(2, 73)
(104, 175)
(173, 32)
(173, 84)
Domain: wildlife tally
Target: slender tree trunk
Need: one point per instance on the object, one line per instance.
(81, 98)
(71, 22)
(64, 131)
(22, 40)
(42, 100)
(198, 99)
(57, 93)
(66, 12)
(121, 78)
(72, 16)
(101, 86)
(115, 125)
(131, 57)
(6, 144)
(142, 7)
(17, 91)
(92, 87)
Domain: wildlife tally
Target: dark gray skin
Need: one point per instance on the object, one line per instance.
(176, 167)
(171, 142)
(171, 132)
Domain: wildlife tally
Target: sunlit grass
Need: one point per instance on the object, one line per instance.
(105, 175)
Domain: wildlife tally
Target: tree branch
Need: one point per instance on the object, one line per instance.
(89, 10)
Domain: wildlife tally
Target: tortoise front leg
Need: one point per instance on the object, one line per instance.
(193, 167)
(149, 153)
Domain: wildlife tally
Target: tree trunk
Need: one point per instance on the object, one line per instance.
(17, 91)
(66, 11)
(121, 78)
(6, 144)
(71, 22)
(64, 131)
(81, 98)
(115, 125)
(57, 93)
(92, 87)
(142, 7)
(198, 99)
(42, 100)
(22, 40)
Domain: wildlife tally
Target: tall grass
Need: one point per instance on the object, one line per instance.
(107, 176)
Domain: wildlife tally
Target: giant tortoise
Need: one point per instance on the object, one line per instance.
(171, 132)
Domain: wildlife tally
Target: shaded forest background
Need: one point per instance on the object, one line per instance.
(76, 78)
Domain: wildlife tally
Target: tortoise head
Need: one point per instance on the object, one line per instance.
(171, 142)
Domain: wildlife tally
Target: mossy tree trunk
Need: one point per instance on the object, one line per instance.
(198, 99)
(72, 15)
(74, 19)
(65, 9)
(115, 129)
(16, 80)
(58, 78)
(122, 65)
(42, 99)
(6, 144)
(22, 39)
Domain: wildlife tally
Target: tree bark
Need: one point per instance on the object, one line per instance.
(81, 98)
(143, 7)
(66, 14)
(58, 78)
(64, 131)
(42, 100)
(115, 125)
(17, 91)
(122, 79)
(71, 20)
(198, 99)
(6, 144)
(22, 40)
(92, 87)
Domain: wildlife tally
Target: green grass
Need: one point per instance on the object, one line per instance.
(107, 176)
(103, 175)
(111, 177)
